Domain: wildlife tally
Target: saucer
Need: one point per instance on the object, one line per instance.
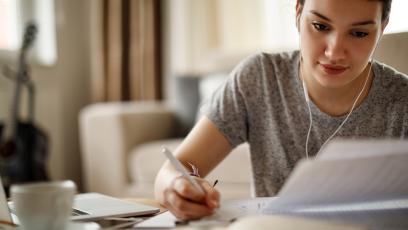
(83, 226)
(71, 226)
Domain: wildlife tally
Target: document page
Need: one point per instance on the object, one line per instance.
(318, 182)
(344, 148)
(229, 211)
(375, 215)
(361, 182)
(243, 207)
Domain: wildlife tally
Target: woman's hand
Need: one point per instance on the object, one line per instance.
(185, 202)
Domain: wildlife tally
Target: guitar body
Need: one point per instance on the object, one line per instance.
(24, 160)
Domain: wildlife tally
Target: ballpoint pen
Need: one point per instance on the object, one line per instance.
(179, 167)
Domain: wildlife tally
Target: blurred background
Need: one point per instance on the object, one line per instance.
(120, 51)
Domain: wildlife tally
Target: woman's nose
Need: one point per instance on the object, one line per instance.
(335, 48)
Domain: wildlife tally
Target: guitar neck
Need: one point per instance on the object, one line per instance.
(15, 110)
(29, 36)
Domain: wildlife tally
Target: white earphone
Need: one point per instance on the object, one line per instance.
(308, 102)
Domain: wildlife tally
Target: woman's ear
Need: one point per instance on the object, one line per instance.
(298, 8)
(298, 13)
(297, 24)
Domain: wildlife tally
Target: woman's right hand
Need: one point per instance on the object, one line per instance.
(186, 203)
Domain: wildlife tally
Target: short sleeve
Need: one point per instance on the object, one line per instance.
(228, 107)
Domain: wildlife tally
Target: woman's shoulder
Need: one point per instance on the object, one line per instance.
(393, 82)
(268, 63)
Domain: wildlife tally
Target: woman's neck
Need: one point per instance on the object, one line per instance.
(339, 101)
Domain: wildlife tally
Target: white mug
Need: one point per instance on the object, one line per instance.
(43, 205)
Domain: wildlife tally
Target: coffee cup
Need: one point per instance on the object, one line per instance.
(43, 205)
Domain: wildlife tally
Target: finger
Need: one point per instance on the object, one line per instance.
(185, 209)
(212, 195)
(168, 200)
(185, 189)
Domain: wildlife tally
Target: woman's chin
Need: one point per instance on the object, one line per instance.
(332, 82)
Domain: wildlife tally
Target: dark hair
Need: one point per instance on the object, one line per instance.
(385, 11)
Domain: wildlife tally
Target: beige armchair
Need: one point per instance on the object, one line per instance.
(121, 150)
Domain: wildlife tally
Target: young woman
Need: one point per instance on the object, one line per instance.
(288, 105)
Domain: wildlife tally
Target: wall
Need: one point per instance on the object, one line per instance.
(392, 50)
(62, 89)
(203, 36)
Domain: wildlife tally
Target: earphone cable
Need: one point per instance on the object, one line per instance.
(344, 121)
(310, 128)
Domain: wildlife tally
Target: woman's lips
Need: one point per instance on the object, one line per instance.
(332, 69)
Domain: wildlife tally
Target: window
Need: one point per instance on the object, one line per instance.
(398, 17)
(9, 38)
(13, 16)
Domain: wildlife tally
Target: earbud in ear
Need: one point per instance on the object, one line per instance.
(305, 91)
(297, 22)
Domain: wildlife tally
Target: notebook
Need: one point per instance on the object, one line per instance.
(87, 206)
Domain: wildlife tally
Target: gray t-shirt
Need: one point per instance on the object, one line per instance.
(262, 103)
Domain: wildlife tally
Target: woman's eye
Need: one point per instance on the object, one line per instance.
(320, 27)
(359, 34)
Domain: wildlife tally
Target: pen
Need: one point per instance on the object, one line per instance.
(215, 183)
(179, 167)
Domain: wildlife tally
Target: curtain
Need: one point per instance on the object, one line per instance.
(125, 50)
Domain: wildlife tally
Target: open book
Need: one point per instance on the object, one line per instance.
(363, 182)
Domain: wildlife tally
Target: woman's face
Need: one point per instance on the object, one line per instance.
(338, 39)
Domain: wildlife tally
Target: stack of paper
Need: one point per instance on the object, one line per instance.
(353, 181)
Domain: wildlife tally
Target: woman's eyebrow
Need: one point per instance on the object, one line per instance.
(320, 15)
(362, 23)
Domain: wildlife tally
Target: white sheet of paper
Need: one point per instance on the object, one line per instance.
(162, 220)
(375, 215)
(345, 148)
(363, 182)
(318, 182)
(243, 207)
(229, 210)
